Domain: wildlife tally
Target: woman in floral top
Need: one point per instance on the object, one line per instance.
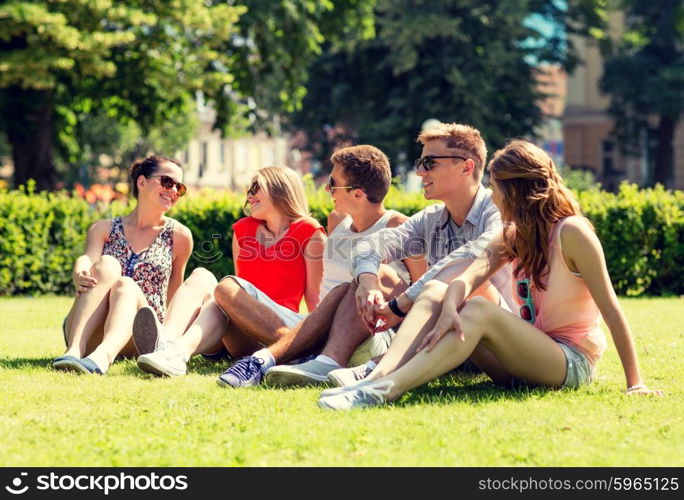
(130, 262)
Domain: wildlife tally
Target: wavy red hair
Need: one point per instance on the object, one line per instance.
(534, 198)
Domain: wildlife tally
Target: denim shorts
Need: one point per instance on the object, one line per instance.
(287, 316)
(580, 370)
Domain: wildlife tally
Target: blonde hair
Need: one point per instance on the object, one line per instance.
(285, 190)
(464, 138)
(533, 197)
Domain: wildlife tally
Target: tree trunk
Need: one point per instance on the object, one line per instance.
(664, 154)
(30, 133)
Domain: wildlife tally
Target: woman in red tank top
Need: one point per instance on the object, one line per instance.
(277, 251)
(563, 284)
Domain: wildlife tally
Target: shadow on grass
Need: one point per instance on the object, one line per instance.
(466, 388)
(25, 363)
(197, 365)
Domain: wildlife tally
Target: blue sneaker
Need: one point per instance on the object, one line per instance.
(244, 372)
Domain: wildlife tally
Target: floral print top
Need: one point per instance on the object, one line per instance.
(151, 268)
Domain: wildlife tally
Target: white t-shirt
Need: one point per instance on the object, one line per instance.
(338, 249)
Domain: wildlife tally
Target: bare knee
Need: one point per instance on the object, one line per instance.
(123, 286)
(107, 267)
(343, 287)
(202, 276)
(226, 291)
(201, 280)
(478, 311)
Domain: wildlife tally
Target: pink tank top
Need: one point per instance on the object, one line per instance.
(566, 311)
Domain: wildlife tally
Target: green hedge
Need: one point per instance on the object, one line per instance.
(41, 234)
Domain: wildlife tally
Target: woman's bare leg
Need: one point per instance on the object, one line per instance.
(205, 333)
(125, 298)
(85, 321)
(418, 323)
(187, 302)
(523, 350)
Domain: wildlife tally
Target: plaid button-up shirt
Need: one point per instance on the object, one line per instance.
(432, 232)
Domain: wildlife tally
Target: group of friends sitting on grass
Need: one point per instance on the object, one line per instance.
(509, 279)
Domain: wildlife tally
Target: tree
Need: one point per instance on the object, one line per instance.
(145, 60)
(644, 75)
(470, 61)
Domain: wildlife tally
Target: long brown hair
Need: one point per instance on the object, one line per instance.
(534, 198)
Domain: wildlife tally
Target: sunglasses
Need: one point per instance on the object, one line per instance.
(428, 161)
(331, 185)
(527, 309)
(168, 183)
(253, 189)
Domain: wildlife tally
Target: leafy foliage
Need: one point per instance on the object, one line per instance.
(644, 75)
(469, 61)
(41, 234)
(145, 62)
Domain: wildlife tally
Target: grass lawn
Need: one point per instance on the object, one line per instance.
(129, 418)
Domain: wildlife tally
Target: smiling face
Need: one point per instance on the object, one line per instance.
(259, 202)
(151, 190)
(439, 182)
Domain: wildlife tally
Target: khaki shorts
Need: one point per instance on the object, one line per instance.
(286, 315)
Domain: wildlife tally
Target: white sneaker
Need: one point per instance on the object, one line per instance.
(364, 395)
(148, 332)
(348, 376)
(338, 390)
(168, 361)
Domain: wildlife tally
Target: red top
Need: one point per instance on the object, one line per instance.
(279, 270)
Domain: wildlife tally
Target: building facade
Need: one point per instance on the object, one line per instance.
(211, 160)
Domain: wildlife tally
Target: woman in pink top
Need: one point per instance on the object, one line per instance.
(562, 286)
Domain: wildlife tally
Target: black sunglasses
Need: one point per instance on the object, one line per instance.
(168, 183)
(331, 185)
(253, 189)
(428, 161)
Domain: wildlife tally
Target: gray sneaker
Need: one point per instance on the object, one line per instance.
(147, 331)
(168, 361)
(364, 395)
(304, 374)
(348, 376)
(374, 346)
